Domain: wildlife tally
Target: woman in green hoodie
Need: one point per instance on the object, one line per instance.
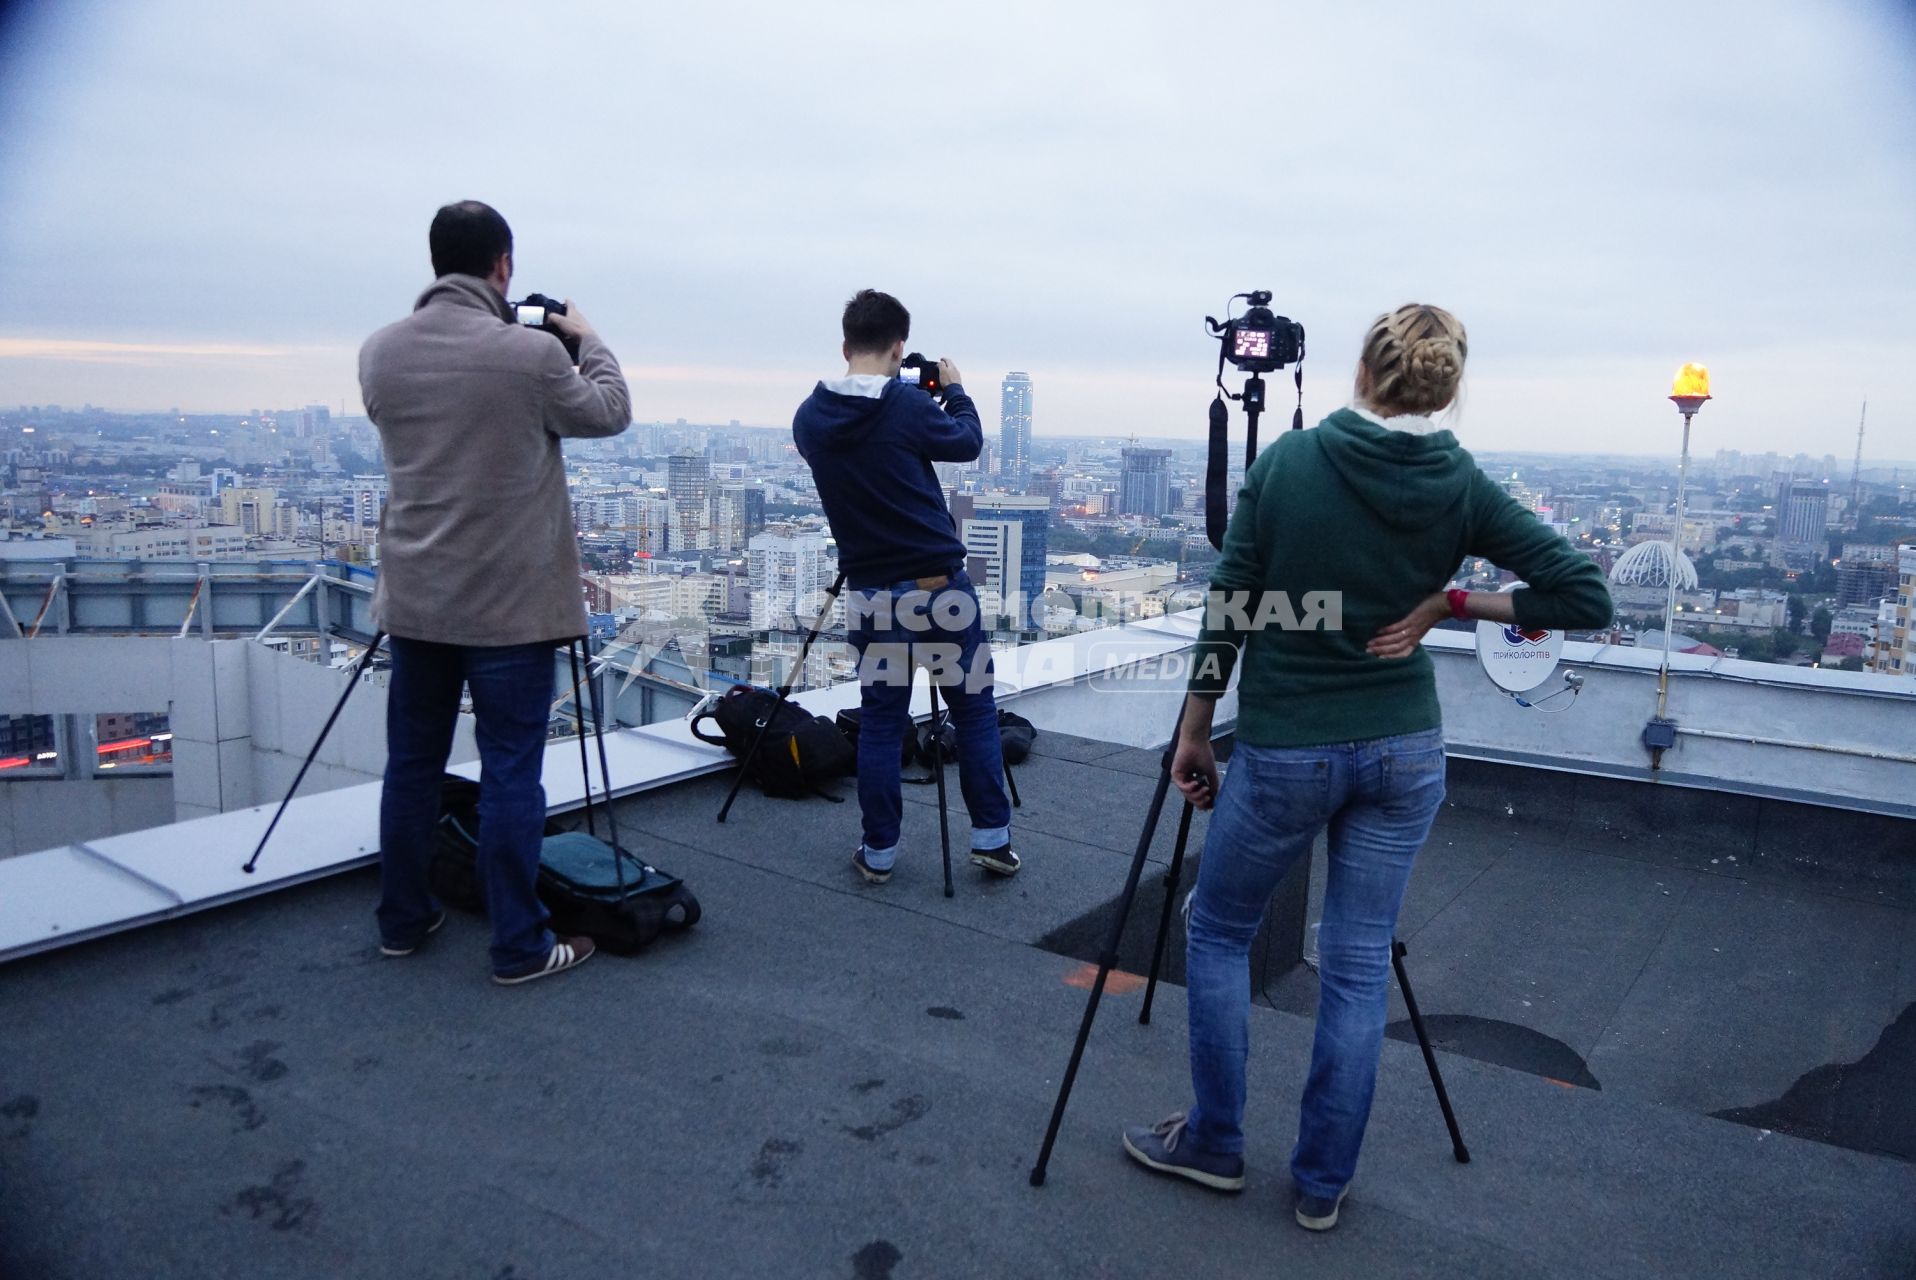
(1338, 726)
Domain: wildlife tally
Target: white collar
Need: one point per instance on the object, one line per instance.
(869, 385)
(1415, 424)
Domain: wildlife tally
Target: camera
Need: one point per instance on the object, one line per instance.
(1259, 341)
(916, 371)
(536, 312)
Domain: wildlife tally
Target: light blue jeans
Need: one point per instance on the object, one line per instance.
(1378, 798)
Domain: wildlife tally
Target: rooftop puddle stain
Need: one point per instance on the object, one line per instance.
(1867, 1105)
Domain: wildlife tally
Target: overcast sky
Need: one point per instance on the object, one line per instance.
(210, 205)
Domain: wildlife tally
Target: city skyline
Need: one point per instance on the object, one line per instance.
(1598, 200)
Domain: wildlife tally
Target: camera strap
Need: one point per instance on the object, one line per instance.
(1297, 414)
(1214, 473)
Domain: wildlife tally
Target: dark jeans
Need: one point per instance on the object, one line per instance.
(1378, 797)
(895, 629)
(511, 700)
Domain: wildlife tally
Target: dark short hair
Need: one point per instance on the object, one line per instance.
(874, 320)
(468, 239)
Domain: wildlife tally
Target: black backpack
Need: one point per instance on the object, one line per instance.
(801, 751)
(453, 872)
(1016, 734)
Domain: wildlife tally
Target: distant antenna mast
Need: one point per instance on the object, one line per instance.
(1856, 471)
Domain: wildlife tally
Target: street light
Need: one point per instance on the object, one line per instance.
(1688, 391)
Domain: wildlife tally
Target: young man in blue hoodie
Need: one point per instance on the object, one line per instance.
(870, 440)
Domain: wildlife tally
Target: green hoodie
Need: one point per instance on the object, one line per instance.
(1381, 519)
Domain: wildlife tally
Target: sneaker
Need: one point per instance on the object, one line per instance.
(872, 874)
(998, 861)
(396, 949)
(1315, 1213)
(1162, 1147)
(565, 954)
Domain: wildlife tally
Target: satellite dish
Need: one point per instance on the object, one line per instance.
(1516, 659)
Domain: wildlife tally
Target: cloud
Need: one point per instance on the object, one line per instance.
(1066, 187)
(95, 351)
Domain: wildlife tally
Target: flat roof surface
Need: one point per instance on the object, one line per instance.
(829, 1079)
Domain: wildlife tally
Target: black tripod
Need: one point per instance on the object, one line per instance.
(784, 691)
(1253, 399)
(359, 669)
(577, 653)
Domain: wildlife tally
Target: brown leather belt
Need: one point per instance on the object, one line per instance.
(933, 583)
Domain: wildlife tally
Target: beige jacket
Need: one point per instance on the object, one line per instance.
(477, 545)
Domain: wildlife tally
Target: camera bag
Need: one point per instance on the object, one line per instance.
(581, 884)
(848, 722)
(1015, 734)
(801, 751)
(578, 881)
(452, 873)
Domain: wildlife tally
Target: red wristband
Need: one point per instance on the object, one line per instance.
(1458, 600)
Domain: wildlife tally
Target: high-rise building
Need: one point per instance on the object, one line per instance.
(689, 487)
(1014, 437)
(1893, 650)
(250, 509)
(1007, 534)
(366, 500)
(790, 574)
(1803, 515)
(1144, 484)
(1866, 575)
(741, 515)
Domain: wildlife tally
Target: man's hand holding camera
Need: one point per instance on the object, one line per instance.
(570, 322)
(948, 375)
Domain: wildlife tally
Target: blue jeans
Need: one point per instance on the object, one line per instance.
(894, 629)
(511, 700)
(1378, 798)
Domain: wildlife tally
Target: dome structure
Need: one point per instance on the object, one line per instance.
(1650, 564)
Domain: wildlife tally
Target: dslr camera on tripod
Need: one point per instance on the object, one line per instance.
(1257, 342)
(536, 312)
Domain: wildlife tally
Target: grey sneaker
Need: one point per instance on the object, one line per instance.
(1315, 1213)
(1162, 1147)
(396, 949)
(872, 875)
(998, 861)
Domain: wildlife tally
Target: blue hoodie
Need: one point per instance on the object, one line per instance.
(870, 441)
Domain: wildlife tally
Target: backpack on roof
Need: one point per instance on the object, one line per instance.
(801, 752)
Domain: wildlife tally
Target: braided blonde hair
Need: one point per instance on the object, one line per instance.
(1413, 359)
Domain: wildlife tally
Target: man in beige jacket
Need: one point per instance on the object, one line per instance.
(478, 571)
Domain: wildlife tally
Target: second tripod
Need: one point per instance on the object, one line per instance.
(1108, 959)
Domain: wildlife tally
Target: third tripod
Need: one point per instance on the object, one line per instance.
(1108, 958)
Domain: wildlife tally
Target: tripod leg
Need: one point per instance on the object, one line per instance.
(578, 720)
(1107, 959)
(605, 777)
(744, 765)
(938, 768)
(1430, 1059)
(1164, 920)
(1012, 783)
(365, 660)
